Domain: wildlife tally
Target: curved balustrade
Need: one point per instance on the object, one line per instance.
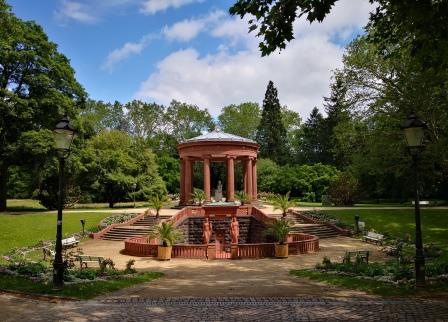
(297, 244)
(189, 251)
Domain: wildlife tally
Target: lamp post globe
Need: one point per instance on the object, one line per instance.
(414, 132)
(63, 134)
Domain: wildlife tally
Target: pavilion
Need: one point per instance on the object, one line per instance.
(217, 146)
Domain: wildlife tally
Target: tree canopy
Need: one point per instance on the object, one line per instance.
(37, 86)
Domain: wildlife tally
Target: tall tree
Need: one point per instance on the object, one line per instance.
(145, 119)
(242, 119)
(271, 132)
(37, 86)
(113, 161)
(312, 139)
(293, 125)
(336, 109)
(184, 121)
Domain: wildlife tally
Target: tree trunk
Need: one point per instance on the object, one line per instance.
(111, 204)
(3, 182)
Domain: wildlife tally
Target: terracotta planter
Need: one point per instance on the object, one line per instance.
(281, 251)
(164, 253)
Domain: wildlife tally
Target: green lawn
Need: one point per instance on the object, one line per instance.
(81, 290)
(370, 286)
(28, 229)
(399, 222)
(16, 205)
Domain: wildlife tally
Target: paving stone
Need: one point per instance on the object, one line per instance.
(236, 309)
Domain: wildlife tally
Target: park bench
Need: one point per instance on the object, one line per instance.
(374, 237)
(69, 242)
(361, 255)
(84, 259)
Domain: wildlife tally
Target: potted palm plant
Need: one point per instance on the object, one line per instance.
(198, 196)
(157, 202)
(168, 235)
(283, 203)
(280, 230)
(242, 197)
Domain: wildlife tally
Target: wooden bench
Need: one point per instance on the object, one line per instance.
(84, 259)
(361, 255)
(374, 237)
(70, 242)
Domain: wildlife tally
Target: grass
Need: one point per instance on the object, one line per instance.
(399, 222)
(28, 229)
(85, 290)
(20, 205)
(369, 286)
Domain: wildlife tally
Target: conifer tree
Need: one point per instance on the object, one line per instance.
(271, 133)
(336, 109)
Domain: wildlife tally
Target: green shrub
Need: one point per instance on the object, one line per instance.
(31, 269)
(436, 268)
(87, 273)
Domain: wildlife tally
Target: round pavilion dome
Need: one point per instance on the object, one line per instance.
(218, 135)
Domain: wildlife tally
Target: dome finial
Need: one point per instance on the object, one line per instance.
(217, 128)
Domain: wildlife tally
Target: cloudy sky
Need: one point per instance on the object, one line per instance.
(192, 51)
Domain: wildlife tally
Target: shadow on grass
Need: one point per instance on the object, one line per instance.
(86, 290)
(371, 286)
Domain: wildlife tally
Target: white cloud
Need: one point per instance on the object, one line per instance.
(184, 31)
(150, 7)
(71, 10)
(301, 72)
(189, 29)
(125, 51)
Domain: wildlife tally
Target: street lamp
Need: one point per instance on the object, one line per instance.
(414, 132)
(63, 134)
(134, 186)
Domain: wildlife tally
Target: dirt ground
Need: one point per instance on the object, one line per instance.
(248, 277)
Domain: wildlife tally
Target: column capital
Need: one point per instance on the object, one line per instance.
(231, 157)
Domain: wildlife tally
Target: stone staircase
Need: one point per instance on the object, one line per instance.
(319, 230)
(140, 228)
(301, 226)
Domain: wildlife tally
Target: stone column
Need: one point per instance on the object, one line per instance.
(187, 181)
(207, 178)
(249, 179)
(230, 179)
(254, 178)
(182, 181)
(192, 162)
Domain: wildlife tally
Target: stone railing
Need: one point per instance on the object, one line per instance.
(302, 243)
(184, 213)
(256, 250)
(140, 246)
(262, 217)
(297, 244)
(104, 231)
(189, 251)
(342, 231)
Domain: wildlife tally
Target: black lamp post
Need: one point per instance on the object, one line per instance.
(63, 137)
(414, 132)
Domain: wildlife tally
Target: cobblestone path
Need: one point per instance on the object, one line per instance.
(230, 309)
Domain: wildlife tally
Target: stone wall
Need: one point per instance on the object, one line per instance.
(251, 230)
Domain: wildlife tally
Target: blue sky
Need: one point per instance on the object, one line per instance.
(191, 50)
